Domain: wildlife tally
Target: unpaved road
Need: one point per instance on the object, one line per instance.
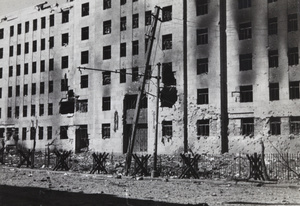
(44, 187)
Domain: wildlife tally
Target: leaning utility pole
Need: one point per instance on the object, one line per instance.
(185, 85)
(140, 95)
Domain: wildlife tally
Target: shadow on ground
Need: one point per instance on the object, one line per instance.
(32, 196)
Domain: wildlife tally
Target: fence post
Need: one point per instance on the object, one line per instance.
(288, 165)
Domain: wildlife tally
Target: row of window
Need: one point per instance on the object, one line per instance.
(15, 131)
(242, 4)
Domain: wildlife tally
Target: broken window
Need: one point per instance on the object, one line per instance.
(275, 125)
(202, 96)
(85, 9)
(49, 133)
(135, 74)
(203, 127)
(66, 107)
(84, 81)
(148, 17)
(107, 27)
(105, 131)
(292, 22)
(244, 4)
(84, 57)
(64, 132)
(168, 74)
(106, 4)
(167, 129)
(295, 125)
(294, 90)
(82, 106)
(25, 90)
(123, 23)
(85, 33)
(33, 88)
(130, 102)
(64, 85)
(41, 133)
(123, 2)
(202, 36)
(293, 56)
(106, 52)
(167, 42)
(64, 62)
(274, 91)
(25, 111)
(167, 13)
(65, 17)
(135, 47)
(247, 126)
(17, 111)
(273, 58)
(245, 62)
(106, 78)
(272, 26)
(24, 133)
(202, 7)
(41, 110)
(50, 108)
(135, 21)
(65, 39)
(202, 66)
(105, 103)
(51, 20)
(245, 31)
(32, 133)
(32, 110)
(43, 22)
(123, 50)
(246, 93)
(9, 112)
(122, 75)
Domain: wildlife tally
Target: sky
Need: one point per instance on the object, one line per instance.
(7, 6)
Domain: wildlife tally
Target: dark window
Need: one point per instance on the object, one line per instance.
(84, 81)
(17, 112)
(50, 108)
(273, 58)
(84, 57)
(9, 112)
(167, 41)
(168, 74)
(41, 109)
(135, 74)
(11, 31)
(245, 31)
(202, 36)
(1, 33)
(82, 106)
(135, 47)
(275, 125)
(50, 86)
(1, 53)
(19, 49)
(64, 62)
(19, 28)
(274, 91)
(107, 27)
(33, 67)
(11, 51)
(51, 64)
(65, 39)
(293, 56)
(64, 85)
(25, 111)
(135, 21)
(10, 71)
(202, 7)
(106, 52)
(292, 22)
(25, 90)
(0, 92)
(271, 1)
(202, 96)
(18, 70)
(244, 4)
(123, 23)
(122, 75)
(24, 133)
(1, 72)
(51, 42)
(106, 78)
(10, 91)
(32, 133)
(33, 88)
(32, 110)
(105, 103)
(51, 20)
(106, 4)
(146, 44)
(49, 133)
(245, 62)
(26, 68)
(247, 126)
(64, 132)
(43, 22)
(34, 46)
(123, 50)
(41, 132)
(203, 127)
(26, 26)
(167, 13)
(34, 28)
(272, 26)
(18, 90)
(167, 128)
(295, 125)
(85, 33)
(148, 17)
(294, 90)
(42, 87)
(123, 2)
(42, 65)
(26, 47)
(43, 44)
(85, 9)
(105, 131)
(246, 93)
(202, 66)
(65, 17)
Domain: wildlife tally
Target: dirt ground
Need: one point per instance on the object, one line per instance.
(45, 187)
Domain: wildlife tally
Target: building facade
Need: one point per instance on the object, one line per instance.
(70, 75)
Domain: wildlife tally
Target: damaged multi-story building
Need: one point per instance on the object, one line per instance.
(70, 75)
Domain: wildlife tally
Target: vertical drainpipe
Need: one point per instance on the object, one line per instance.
(185, 90)
(223, 76)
